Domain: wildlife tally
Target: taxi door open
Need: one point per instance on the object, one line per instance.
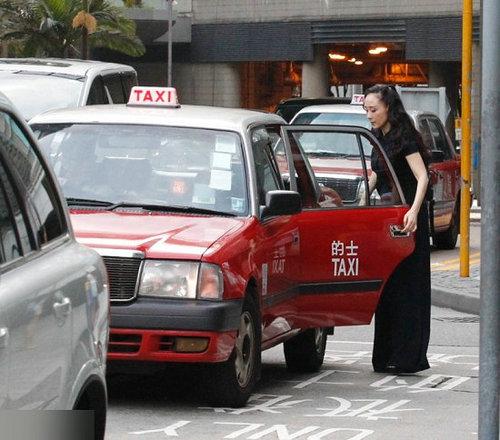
(350, 239)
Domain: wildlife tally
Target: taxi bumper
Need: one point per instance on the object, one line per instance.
(173, 330)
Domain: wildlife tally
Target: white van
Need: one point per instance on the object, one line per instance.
(35, 85)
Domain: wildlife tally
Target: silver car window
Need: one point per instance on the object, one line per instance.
(37, 185)
(10, 245)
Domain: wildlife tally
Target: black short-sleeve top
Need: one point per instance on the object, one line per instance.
(397, 157)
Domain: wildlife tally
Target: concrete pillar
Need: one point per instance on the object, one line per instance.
(208, 84)
(447, 74)
(316, 74)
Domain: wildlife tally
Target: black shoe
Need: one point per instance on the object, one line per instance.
(392, 369)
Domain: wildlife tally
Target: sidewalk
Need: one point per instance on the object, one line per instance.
(451, 290)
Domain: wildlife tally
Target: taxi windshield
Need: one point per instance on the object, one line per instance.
(138, 165)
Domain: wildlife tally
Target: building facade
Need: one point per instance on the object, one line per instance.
(254, 53)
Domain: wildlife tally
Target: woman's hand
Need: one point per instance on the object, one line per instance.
(410, 221)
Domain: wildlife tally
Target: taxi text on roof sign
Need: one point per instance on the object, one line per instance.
(154, 96)
(358, 99)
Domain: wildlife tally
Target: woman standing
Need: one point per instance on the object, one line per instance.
(402, 318)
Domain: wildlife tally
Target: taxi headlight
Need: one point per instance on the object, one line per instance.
(181, 279)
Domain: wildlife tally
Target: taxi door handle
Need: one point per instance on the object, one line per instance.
(396, 231)
(63, 308)
(4, 337)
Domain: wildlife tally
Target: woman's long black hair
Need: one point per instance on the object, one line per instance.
(403, 131)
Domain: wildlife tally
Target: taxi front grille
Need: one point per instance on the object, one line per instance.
(346, 188)
(123, 275)
(124, 343)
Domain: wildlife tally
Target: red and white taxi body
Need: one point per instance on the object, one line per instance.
(218, 240)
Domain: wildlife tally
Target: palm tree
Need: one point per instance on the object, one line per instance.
(67, 28)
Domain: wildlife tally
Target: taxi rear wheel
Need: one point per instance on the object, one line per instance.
(305, 352)
(448, 238)
(230, 383)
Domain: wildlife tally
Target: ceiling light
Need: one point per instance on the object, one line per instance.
(378, 50)
(352, 60)
(358, 62)
(336, 56)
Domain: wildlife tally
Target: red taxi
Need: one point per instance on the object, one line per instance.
(218, 239)
(334, 168)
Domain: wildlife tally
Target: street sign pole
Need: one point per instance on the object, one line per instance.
(489, 353)
(169, 34)
(466, 137)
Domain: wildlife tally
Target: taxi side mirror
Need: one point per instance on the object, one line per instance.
(281, 202)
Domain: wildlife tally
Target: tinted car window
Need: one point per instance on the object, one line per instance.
(9, 240)
(113, 84)
(266, 168)
(97, 93)
(34, 177)
(425, 131)
(15, 240)
(288, 108)
(439, 137)
(129, 80)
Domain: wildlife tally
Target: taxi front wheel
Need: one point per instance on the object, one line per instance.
(305, 352)
(230, 383)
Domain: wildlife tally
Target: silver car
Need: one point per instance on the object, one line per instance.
(35, 85)
(54, 314)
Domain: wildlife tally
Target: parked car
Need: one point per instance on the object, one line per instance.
(54, 313)
(217, 246)
(35, 85)
(288, 108)
(444, 167)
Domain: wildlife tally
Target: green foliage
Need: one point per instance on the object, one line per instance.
(44, 28)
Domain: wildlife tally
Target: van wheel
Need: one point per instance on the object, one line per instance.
(305, 352)
(448, 238)
(230, 383)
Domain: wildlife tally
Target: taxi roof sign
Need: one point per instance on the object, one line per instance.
(358, 99)
(153, 96)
